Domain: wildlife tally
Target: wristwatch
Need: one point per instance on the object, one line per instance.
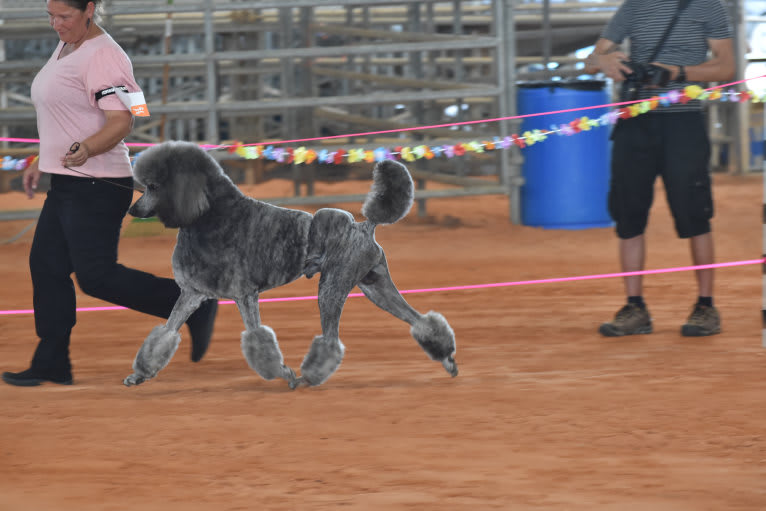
(681, 74)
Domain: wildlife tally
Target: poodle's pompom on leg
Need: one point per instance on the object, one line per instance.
(322, 360)
(262, 353)
(437, 339)
(158, 348)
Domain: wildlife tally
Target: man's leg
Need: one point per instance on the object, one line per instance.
(703, 253)
(704, 319)
(632, 256)
(633, 318)
(631, 193)
(689, 191)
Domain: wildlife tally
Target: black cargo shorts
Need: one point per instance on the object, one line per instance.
(672, 145)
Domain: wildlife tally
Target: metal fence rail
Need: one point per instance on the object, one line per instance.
(269, 70)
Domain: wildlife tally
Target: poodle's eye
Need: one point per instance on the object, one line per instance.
(151, 187)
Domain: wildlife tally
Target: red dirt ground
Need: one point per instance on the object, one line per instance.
(545, 414)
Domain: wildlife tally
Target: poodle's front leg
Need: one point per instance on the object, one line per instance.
(260, 346)
(162, 342)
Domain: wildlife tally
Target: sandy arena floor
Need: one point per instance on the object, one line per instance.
(545, 414)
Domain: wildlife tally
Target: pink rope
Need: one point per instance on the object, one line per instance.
(415, 128)
(460, 288)
(478, 121)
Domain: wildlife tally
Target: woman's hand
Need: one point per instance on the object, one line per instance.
(77, 155)
(30, 178)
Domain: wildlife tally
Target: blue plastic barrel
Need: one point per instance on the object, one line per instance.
(566, 178)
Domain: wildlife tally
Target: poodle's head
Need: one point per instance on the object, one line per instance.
(175, 176)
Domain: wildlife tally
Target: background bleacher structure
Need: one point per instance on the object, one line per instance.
(257, 71)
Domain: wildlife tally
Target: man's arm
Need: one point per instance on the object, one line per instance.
(721, 67)
(608, 60)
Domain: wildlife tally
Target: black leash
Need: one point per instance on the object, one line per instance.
(76, 147)
(73, 148)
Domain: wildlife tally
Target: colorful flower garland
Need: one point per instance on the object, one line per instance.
(9, 163)
(409, 154)
(300, 155)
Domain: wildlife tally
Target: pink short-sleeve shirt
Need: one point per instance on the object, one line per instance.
(64, 94)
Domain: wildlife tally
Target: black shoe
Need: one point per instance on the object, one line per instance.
(32, 378)
(201, 328)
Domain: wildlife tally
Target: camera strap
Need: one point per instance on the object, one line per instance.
(681, 6)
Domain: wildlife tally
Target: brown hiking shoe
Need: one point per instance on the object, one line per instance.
(632, 319)
(702, 321)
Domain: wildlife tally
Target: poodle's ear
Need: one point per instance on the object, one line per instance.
(188, 196)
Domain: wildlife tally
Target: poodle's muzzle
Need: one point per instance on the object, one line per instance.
(142, 208)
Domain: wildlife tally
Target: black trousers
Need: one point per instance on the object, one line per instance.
(78, 232)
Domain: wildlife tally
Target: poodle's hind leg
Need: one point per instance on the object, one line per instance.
(435, 336)
(327, 350)
(162, 342)
(322, 360)
(260, 346)
(262, 353)
(431, 331)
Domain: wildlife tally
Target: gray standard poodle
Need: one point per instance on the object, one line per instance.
(232, 246)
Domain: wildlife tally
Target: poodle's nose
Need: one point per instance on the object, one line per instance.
(139, 211)
(133, 210)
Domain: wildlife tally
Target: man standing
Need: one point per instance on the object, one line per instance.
(689, 42)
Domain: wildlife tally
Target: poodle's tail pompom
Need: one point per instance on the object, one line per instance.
(322, 360)
(392, 193)
(437, 339)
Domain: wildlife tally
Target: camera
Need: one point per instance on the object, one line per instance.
(642, 75)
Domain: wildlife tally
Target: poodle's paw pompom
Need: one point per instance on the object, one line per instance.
(262, 353)
(437, 339)
(322, 360)
(133, 379)
(450, 366)
(158, 348)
